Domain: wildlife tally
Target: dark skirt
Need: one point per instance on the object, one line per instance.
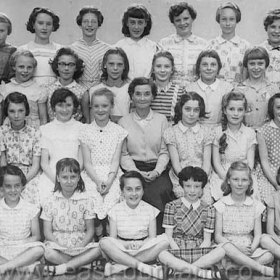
(158, 192)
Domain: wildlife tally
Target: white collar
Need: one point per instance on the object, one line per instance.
(71, 85)
(188, 204)
(204, 86)
(76, 195)
(140, 42)
(20, 205)
(235, 40)
(273, 124)
(184, 128)
(148, 118)
(229, 201)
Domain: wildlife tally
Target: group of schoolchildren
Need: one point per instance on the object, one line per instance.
(162, 157)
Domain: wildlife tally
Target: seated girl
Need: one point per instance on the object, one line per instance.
(188, 141)
(19, 224)
(256, 88)
(68, 68)
(209, 86)
(238, 221)
(189, 223)
(68, 221)
(115, 68)
(19, 142)
(233, 141)
(168, 93)
(133, 241)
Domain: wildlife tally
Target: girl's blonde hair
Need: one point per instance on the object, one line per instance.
(237, 166)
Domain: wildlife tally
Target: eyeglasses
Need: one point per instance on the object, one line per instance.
(70, 64)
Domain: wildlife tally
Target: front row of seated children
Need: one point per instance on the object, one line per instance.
(186, 246)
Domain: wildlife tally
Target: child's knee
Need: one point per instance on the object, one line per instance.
(49, 253)
(265, 240)
(105, 243)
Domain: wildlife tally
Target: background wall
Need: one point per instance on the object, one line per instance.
(250, 27)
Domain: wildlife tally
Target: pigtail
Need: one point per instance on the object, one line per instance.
(223, 139)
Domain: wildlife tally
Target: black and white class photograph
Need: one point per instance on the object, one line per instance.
(139, 140)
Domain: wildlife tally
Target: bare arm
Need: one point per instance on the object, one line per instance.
(89, 232)
(219, 238)
(169, 233)
(3, 159)
(175, 158)
(270, 223)
(45, 165)
(48, 231)
(43, 115)
(33, 171)
(35, 230)
(206, 239)
(206, 166)
(251, 156)
(217, 162)
(257, 234)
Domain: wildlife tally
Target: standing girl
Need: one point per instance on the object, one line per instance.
(229, 46)
(238, 220)
(233, 140)
(115, 68)
(136, 25)
(189, 224)
(69, 67)
(209, 86)
(68, 221)
(42, 22)
(257, 89)
(133, 241)
(188, 141)
(19, 223)
(89, 47)
(23, 65)
(101, 143)
(59, 140)
(20, 143)
(168, 93)
(269, 150)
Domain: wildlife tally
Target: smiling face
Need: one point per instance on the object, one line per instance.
(66, 67)
(16, 115)
(136, 27)
(228, 21)
(183, 24)
(256, 69)
(12, 188)
(3, 33)
(162, 69)
(101, 108)
(24, 68)
(192, 190)
(273, 33)
(89, 25)
(115, 67)
(132, 192)
(190, 113)
(43, 27)
(239, 182)
(208, 69)
(68, 181)
(64, 110)
(235, 112)
(142, 96)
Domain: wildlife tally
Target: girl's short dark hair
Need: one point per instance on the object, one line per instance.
(271, 17)
(230, 5)
(239, 166)
(190, 95)
(34, 14)
(120, 52)
(4, 19)
(195, 173)
(131, 174)
(140, 81)
(256, 53)
(234, 95)
(207, 53)
(89, 10)
(165, 54)
(12, 170)
(68, 51)
(177, 9)
(137, 11)
(15, 97)
(60, 95)
(72, 165)
(270, 105)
